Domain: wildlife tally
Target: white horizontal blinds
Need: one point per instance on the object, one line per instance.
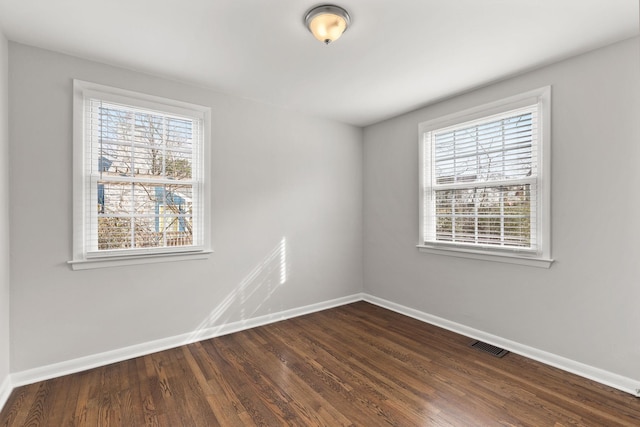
(482, 182)
(143, 175)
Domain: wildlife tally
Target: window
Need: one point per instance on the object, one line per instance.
(485, 182)
(140, 174)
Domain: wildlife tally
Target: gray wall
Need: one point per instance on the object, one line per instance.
(283, 177)
(585, 307)
(4, 211)
(279, 179)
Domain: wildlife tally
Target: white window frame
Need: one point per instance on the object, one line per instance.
(84, 202)
(541, 257)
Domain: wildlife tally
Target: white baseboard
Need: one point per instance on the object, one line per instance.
(610, 379)
(5, 390)
(31, 376)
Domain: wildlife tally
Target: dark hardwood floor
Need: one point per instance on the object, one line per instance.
(353, 365)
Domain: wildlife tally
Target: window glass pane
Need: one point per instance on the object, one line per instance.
(145, 199)
(492, 151)
(114, 232)
(114, 197)
(158, 210)
(485, 215)
(179, 133)
(178, 165)
(145, 233)
(147, 128)
(145, 144)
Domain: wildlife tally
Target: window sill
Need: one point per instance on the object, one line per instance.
(510, 258)
(87, 264)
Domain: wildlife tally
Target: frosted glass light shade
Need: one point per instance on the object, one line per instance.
(327, 23)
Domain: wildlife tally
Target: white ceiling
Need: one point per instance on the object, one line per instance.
(396, 56)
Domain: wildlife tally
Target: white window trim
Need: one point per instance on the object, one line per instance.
(542, 258)
(81, 259)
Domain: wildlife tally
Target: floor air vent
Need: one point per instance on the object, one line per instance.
(488, 348)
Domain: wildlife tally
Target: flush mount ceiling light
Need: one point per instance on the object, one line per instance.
(327, 22)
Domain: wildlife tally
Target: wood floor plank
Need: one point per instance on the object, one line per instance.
(12, 409)
(64, 405)
(354, 365)
(37, 414)
(260, 400)
(142, 394)
(316, 410)
(224, 401)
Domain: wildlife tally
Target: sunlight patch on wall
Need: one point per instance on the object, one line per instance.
(283, 260)
(252, 293)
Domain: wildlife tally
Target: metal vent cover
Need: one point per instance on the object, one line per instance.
(488, 348)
